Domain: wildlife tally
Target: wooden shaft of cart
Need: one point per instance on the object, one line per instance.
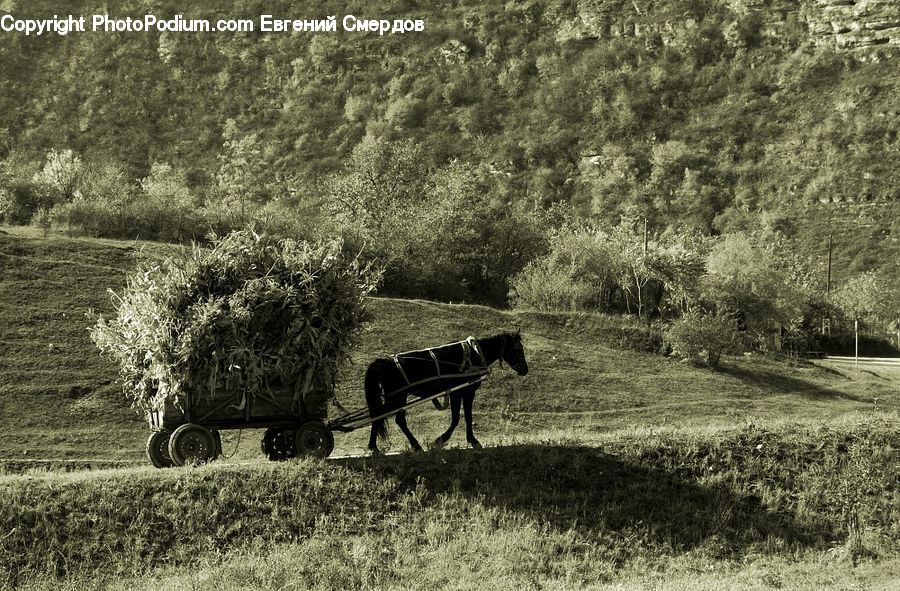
(360, 418)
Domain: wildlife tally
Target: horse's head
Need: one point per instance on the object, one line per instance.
(513, 352)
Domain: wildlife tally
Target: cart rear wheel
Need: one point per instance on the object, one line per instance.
(192, 444)
(314, 439)
(278, 444)
(158, 449)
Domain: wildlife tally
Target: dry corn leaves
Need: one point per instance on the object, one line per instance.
(249, 314)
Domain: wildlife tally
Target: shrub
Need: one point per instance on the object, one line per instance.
(167, 210)
(468, 246)
(43, 220)
(108, 206)
(60, 177)
(579, 273)
(100, 206)
(18, 203)
(695, 336)
(249, 314)
(465, 243)
(19, 199)
(642, 338)
(546, 287)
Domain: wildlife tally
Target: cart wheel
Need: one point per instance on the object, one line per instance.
(314, 439)
(278, 444)
(191, 443)
(158, 449)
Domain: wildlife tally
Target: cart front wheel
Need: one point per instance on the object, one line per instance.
(314, 439)
(192, 444)
(278, 444)
(158, 449)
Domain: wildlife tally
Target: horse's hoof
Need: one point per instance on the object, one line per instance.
(476, 444)
(438, 443)
(376, 453)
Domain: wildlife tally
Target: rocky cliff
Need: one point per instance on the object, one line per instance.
(868, 27)
(854, 24)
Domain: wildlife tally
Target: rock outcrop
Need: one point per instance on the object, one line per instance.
(854, 24)
(864, 26)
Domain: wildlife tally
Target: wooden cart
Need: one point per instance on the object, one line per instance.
(189, 433)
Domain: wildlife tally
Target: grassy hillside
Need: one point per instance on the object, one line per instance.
(604, 467)
(803, 503)
(865, 237)
(600, 103)
(58, 399)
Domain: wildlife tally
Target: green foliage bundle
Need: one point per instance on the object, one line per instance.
(695, 336)
(248, 315)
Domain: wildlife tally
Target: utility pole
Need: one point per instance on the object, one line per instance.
(826, 322)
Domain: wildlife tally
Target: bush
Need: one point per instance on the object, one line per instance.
(104, 218)
(99, 219)
(695, 336)
(249, 314)
(546, 287)
(60, 177)
(464, 244)
(579, 273)
(642, 338)
(470, 251)
(18, 203)
(43, 220)
(109, 207)
(19, 199)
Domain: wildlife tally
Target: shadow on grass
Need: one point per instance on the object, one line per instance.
(599, 495)
(789, 385)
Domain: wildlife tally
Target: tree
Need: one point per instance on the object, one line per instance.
(243, 179)
(166, 185)
(378, 181)
(642, 264)
(697, 203)
(685, 265)
(60, 175)
(865, 298)
(470, 241)
(610, 180)
(695, 334)
(580, 272)
(18, 197)
(741, 279)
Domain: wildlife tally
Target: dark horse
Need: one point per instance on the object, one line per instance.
(391, 380)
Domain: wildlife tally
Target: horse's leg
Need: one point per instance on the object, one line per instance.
(401, 422)
(373, 438)
(455, 402)
(468, 399)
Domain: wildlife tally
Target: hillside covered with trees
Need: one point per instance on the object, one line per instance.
(488, 151)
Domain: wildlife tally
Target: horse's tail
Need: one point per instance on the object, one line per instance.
(372, 386)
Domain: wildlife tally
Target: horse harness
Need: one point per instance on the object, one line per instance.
(468, 346)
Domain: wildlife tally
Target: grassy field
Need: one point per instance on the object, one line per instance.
(606, 467)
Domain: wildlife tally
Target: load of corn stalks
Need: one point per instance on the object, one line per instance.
(249, 314)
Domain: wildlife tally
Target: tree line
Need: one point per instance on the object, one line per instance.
(457, 233)
(481, 159)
